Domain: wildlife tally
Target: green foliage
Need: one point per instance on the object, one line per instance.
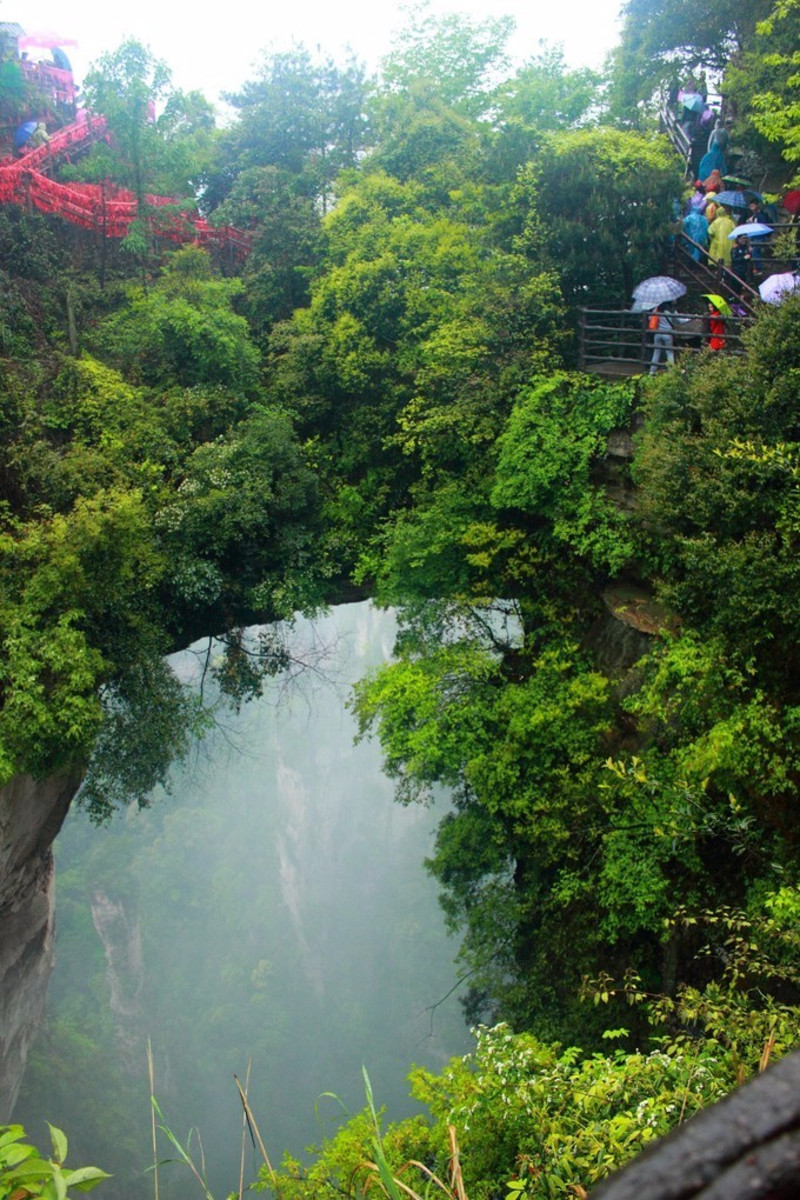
(598, 205)
(301, 115)
(763, 84)
(543, 96)
(286, 245)
(556, 433)
(169, 154)
(55, 618)
(416, 335)
(13, 93)
(718, 492)
(25, 1173)
(662, 42)
(457, 54)
(184, 331)
(123, 85)
(520, 1115)
(149, 722)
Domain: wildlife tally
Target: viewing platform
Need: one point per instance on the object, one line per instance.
(617, 343)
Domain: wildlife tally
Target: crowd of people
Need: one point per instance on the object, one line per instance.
(665, 322)
(708, 226)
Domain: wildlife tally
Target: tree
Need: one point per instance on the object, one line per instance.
(125, 86)
(598, 204)
(287, 243)
(302, 116)
(456, 56)
(416, 337)
(762, 84)
(662, 42)
(544, 95)
(552, 852)
(183, 331)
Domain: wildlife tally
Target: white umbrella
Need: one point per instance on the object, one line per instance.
(776, 287)
(657, 290)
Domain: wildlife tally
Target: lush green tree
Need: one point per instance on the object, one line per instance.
(663, 43)
(599, 203)
(183, 331)
(417, 334)
(125, 86)
(717, 473)
(437, 80)
(286, 247)
(549, 854)
(536, 1120)
(544, 95)
(762, 85)
(301, 115)
(455, 55)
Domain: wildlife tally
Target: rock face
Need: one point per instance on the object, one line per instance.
(31, 814)
(120, 932)
(747, 1147)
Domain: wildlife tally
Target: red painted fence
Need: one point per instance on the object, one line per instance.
(104, 207)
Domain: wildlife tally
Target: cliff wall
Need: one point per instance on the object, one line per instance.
(31, 814)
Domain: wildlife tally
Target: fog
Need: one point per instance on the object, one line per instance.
(273, 910)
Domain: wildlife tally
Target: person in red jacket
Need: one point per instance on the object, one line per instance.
(716, 327)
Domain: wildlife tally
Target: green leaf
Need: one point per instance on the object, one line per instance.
(85, 1178)
(59, 1143)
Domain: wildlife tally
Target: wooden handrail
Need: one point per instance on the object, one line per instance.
(748, 296)
(626, 343)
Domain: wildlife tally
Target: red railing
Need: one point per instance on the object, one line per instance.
(51, 81)
(105, 208)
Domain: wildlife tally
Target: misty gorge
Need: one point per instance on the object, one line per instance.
(271, 915)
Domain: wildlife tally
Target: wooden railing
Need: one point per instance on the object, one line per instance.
(618, 342)
(715, 278)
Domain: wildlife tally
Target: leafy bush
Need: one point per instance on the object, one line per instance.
(26, 1175)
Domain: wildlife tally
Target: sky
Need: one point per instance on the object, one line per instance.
(216, 47)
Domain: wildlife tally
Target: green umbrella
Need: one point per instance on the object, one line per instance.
(720, 304)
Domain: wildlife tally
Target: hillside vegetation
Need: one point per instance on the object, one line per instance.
(382, 401)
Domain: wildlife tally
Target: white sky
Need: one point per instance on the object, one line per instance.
(212, 47)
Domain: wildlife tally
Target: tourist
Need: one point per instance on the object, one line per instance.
(660, 324)
(719, 247)
(695, 227)
(716, 328)
(741, 265)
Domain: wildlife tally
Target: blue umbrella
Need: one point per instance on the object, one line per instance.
(693, 101)
(732, 199)
(750, 229)
(23, 132)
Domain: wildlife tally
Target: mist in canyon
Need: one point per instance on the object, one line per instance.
(271, 915)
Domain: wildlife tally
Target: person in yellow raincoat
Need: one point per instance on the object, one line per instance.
(719, 248)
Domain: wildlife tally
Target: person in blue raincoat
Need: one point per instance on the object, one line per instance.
(712, 160)
(695, 226)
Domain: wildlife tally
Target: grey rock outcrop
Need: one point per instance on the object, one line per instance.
(31, 814)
